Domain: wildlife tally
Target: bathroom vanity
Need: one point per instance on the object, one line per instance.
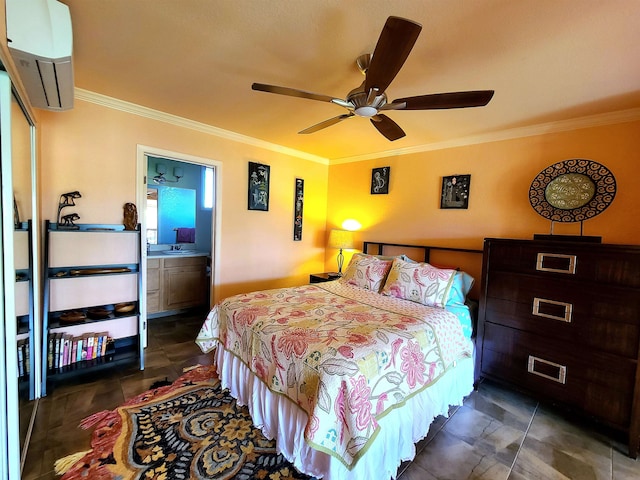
(176, 280)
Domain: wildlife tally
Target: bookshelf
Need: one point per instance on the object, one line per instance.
(91, 293)
(25, 332)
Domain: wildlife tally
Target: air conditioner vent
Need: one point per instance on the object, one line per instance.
(40, 41)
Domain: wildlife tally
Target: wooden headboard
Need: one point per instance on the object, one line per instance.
(465, 259)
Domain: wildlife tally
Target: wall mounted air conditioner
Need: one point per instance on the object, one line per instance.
(40, 41)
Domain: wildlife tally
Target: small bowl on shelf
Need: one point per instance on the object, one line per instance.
(97, 313)
(124, 307)
(73, 316)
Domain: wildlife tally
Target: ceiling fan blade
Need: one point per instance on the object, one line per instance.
(477, 98)
(398, 37)
(293, 92)
(326, 123)
(387, 127)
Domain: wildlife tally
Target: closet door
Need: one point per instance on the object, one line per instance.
(9, 374)
(20, 337)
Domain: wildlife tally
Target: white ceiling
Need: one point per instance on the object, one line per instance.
(547, 60)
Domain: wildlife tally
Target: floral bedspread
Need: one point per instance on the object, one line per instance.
(343, 354)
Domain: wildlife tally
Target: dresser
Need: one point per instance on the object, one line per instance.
(561, 320)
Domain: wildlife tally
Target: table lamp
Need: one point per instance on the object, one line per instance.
(340, 239)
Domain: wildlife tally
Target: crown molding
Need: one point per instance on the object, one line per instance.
(621, 116)
(132, 108)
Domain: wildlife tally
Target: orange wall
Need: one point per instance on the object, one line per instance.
(501, 173)
(93, 149)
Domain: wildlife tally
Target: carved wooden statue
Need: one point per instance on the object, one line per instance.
(130, 216)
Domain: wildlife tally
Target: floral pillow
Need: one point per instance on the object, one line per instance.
(419, 282)
(367, 272)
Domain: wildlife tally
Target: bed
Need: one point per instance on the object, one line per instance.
(348, 375)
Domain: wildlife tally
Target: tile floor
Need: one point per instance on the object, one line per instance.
(497, 434)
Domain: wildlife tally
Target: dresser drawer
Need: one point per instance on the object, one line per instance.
(605, 264)
(598, 384)
(185, 261)
(584, 313)
(605, 335)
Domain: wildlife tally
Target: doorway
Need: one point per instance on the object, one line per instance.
(179, 163)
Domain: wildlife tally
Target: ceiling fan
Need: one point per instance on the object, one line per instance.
(394, 45)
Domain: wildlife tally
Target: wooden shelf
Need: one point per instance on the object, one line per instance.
(124, 353)
(93, 266)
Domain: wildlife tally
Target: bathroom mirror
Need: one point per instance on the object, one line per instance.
(168, 209)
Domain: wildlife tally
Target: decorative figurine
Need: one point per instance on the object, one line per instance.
(16, 214)
(130, 216)
(67, 221)
(67, 200)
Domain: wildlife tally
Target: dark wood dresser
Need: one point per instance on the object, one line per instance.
(561, 320)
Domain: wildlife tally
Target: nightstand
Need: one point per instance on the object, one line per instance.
(323, 277)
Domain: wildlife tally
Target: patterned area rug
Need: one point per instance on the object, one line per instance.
(190, 429)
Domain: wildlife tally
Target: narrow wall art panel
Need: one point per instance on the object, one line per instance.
(298, 204)
(259, 186)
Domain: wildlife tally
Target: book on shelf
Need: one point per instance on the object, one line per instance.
(56, 352)
(90, 346)
(66, 347)
(21, 358)
(105, 340)
(111, 346)
(50, 350)
(102, 343)
(79, 348)
(27, 362)
(75, 342)
(85, 346)
(95, 346)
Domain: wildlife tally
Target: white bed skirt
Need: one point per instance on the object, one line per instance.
(400, 429)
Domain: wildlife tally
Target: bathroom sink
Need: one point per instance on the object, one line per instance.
(179, 252)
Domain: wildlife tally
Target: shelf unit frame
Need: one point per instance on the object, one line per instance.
(127, 349)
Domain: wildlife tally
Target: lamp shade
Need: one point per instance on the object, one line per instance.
(340, 239)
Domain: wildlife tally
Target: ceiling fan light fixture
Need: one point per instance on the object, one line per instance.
(366, 111)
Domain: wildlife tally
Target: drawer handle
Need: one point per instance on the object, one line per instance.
(566, 307)
(557, 372)
(557, 262)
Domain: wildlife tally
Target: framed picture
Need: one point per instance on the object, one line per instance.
(455, 191)
(298, 203)
(259, 186)
(380, 180)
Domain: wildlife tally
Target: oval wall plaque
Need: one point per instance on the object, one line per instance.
(572, 190)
